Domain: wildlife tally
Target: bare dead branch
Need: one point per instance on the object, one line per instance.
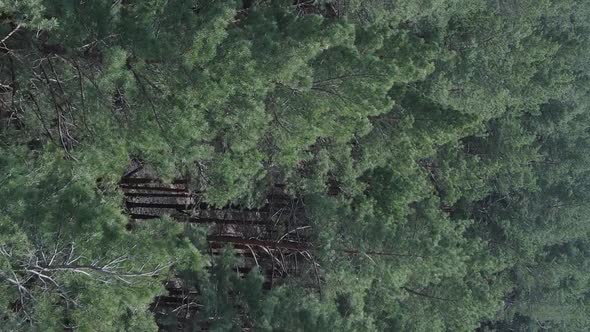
(18, 26)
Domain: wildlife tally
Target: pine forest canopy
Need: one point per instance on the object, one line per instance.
(273, 165)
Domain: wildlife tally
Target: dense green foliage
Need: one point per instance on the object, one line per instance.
(441, 147)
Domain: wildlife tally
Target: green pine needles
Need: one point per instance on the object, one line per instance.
(333, 165)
